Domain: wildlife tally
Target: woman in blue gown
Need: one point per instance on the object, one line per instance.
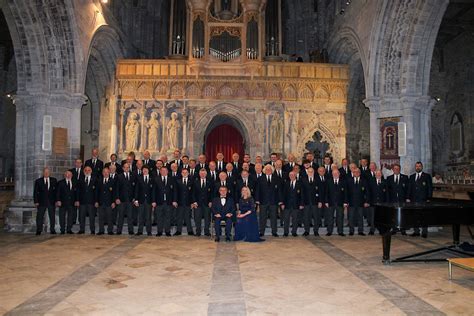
(246, 228)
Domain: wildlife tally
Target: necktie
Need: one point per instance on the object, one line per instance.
(310, 180)
(185, 181)
(378, 182)
(335, 181)
(126, 176)
(105, 180)
(203, 183)
(46, 182)
(396, 180)
(146, 179)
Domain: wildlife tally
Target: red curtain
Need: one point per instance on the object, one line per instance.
(225, 139)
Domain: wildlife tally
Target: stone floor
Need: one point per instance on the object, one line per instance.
(122, 275)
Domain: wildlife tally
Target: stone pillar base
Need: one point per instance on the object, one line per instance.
(20, 217)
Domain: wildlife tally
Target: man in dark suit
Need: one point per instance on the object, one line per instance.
(236, 164)
(293, 203)
(321, 192)
(245, 180)
(358, 197)
(311, 200)
(327, 166)
(224, 182)
(420, 190)
(147, 161)
(87, 197)
(144, 200)
(397, 188)
(220, 163)
(105, 201)
(310, 157)
(251, 165)
(279, 171)
(77, 171)
(95, 163)
(344, 170)
(336, 203)
(268, 195)
(132, 162)
(378, 194)
(223, 208)
(67, 201)
(124, 197)
(113, 162)
(213, 174)
(165, 194)
(44, 195)
(288, 167)
(273, 159)
(203, 192)
(193, 171)
(174, 171)
(202, 163)
(232, 175)
(184, 187)
(177, 158)
(364, 167)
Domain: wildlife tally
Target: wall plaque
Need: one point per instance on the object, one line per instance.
(59, 140)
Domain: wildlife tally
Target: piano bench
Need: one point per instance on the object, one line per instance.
(464, 263)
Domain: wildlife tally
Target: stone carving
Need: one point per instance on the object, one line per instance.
(173, 127)
(153, 127)
(276, 133)
(132, 132)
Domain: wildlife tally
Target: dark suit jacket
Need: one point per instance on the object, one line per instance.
(283, 177)
(238, 168)
(269, 193)
(125, 189)
(343, 171)
(378, 192)
(151, 164)
(311, 192)
(322, 188)
(145, 193)
(203, 195)
(66, 195)
(228, 207)
(220, 168)
(105, 192)
(397, 193)
(293, 197)
(358, 194)
(337, 194)
(216, 175)
(251, 183)
(42, 195)
(118, 166)
(287, 168)
(97, 169)
(422, 190)
(230, 187)
(75, 176)
(168, 190)
(184, 196)
(87, 193)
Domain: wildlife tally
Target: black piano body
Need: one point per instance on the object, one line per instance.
(394, 216)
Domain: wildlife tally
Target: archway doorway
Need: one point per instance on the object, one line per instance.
(224, 134)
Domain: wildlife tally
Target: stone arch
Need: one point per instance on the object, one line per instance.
(246, 126)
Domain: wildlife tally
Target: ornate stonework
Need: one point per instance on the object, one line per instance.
(277, 106)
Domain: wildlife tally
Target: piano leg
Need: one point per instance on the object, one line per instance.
(386, 242)
(456, 233)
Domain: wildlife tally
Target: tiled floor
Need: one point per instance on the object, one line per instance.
(122, 275)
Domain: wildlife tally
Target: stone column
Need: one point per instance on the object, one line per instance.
(374, 106)
(30, 158)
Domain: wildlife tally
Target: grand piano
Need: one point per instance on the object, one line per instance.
(391, 217)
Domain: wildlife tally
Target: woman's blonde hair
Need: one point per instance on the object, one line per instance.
(242, 192)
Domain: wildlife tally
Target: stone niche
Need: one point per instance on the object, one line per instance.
(278, 107)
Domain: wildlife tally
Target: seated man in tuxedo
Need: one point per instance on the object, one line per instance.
(223, 208)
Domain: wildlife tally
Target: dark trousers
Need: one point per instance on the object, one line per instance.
(105, 216)
(85, 210)
(370, 218)
(356, 218)
(307, 217)
(163, 218)
(125, 208)
(114, 215)
(184, 215)
(228, 225)
(295, 215)
(287, 214)
(317, 215)
(70, 213)
(144, 218)
(265, 212)
(329, 218)
(199, 214)
(40, 217)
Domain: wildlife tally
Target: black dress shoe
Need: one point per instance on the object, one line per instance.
(404, 233)
(285, 235)
(316, 234)
(261, 235)
(371, 233)
(227, 239)
(329, 234)
(70, 232)
(118, 233)
(361, 234)
(63, 232)
(415, 235)
(217, 239)
(275, 235)
(53, 232)
(191, 233)
(100, 233)
(342, 234)
(148, 234)
(198, 234)
(305, 234)
(138, 234)
(351, 233)
(177, 234)
(38, 233)
(110, 233)
(92, 233)
(294, 235)
(424, 235)
(207, 234)
(131, 233)
(168, 234)
(159, 234)
(81, 232)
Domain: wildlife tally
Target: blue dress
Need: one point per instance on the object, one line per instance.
(246, 228)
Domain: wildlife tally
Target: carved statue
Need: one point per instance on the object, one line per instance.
(173, 128)
(132, 131)
(153, 128)
(276, 133)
